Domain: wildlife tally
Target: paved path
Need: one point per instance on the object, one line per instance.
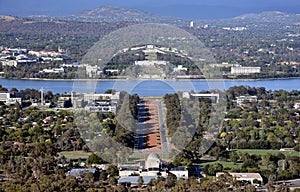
(151, 136)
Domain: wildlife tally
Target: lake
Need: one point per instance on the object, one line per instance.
(146, 87)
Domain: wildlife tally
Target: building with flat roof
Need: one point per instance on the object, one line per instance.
(102, 106)
(179, 69)
(180, 172)
(134, 179)
(152, 167)
(297, 106)
(242, 99)
(150, 63)
(95, 96)
(244, 70)
(213, 96)
(246, 177)
(7, 98)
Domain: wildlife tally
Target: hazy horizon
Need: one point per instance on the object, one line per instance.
(189, 9)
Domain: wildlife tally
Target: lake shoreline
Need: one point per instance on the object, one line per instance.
(147, 87)
(183, 79)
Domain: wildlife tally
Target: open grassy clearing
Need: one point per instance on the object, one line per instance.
(224, 163)
(263, 152)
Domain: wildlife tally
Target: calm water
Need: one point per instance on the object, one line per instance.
(148, 87)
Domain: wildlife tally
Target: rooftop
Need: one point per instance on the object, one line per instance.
(246, 175)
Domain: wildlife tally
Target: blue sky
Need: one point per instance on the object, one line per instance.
(196, 9)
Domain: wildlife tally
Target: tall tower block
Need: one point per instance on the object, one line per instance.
(191, 24)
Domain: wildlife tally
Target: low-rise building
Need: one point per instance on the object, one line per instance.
(297, 106)
(249, 177)
(102, 106)
(224, 65)
(252, 178)
(53, 70)
(152, 167)
(93, 70)
(130, 170)
(180, 172)
(213, 96)
(26, 61)
(95, 96)
(44, 53)
(8, 99)
(150, 63)
(15, 51)
(10, 63)
(134, 179)
(241, 99)
(244, 70)
(179, 69)
(111, 72)
(96, 102)
(61, 102)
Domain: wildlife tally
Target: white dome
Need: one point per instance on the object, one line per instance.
(153, 161)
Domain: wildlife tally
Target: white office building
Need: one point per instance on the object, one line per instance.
(8, 100)
(244, 70)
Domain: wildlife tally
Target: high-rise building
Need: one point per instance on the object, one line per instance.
(191, 24)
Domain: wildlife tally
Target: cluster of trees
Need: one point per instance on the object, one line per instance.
(34, 137)
(60, 182)
(32, 125)
(176, 60)
(122, 61)
(134, 101)
(57, 180)
(31, 140)
(262, 45)
(187, 120)
(271, 166)
(74, 37)
(270, 123)
(173, 115)
(33, 71)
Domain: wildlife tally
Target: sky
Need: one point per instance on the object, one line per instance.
(190, 9)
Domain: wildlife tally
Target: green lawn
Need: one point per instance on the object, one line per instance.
(262, 152)
(224, 163)
(251, 152)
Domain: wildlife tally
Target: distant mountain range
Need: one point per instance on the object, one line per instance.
(270, 16)
(117, 14)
